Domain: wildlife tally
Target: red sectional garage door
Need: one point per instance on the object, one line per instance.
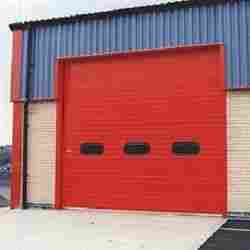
(145, 131)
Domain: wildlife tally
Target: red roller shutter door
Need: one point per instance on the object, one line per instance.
(159, 98)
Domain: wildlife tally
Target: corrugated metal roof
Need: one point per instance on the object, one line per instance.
(98, 15)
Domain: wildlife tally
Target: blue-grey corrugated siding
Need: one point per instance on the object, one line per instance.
(225, 23)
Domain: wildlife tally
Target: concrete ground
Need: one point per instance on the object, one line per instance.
(105, 230)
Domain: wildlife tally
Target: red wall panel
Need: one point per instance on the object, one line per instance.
(17, 119)
(16, 65)
(16, 155)
(159, 97)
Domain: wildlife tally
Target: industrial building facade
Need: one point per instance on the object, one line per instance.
(144, 108)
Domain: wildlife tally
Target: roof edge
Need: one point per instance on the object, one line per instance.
(104, 14)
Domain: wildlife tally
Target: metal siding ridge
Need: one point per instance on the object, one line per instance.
(47, 66)
(24, 64)
(53, 51)
(235, 44)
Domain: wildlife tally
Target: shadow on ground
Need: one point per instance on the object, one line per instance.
(4, 190)
(3, 202)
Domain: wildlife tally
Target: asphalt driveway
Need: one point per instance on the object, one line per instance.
(233, 235)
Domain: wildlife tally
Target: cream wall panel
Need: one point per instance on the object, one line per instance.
(41, 153)
(238, 104)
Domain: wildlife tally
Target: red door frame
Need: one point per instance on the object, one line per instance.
(61, 71)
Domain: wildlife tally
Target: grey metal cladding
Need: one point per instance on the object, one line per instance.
(227, 23)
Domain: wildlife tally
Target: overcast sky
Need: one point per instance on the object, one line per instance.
(20, 10)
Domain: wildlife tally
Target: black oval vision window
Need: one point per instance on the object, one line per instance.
(186, 148)
(136, 148)
(91, 148)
